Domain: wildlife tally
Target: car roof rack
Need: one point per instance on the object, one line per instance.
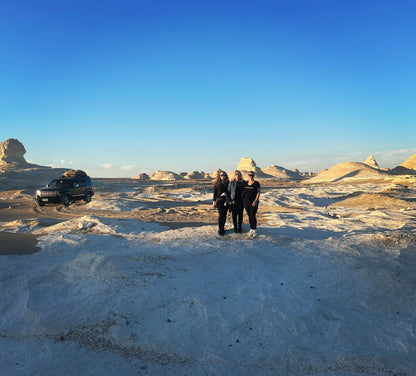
(74, 174)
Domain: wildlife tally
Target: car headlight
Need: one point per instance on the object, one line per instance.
(38, 192)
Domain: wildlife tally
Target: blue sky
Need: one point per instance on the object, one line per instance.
(122, 87)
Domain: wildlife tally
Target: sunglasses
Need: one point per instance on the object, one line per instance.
(250, 175)
(222, 174)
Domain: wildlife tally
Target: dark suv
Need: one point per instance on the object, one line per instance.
(71, 186)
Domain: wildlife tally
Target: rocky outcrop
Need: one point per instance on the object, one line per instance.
(16, 173)
(164, 175)
(410, 163)
(247, 164)
(11, 154)
(347, 172)
(371, 161)
(408, 167)
(142, 176)
(194, 175)
(281, 173)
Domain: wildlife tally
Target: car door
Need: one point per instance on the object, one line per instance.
(77, 190)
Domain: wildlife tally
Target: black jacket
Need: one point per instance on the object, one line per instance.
(219, 190)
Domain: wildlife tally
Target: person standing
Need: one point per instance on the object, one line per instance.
(251, 201)
(235, 191)
(221, 199)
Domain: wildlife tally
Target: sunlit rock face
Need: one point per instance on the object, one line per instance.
(164, 175)
(281, 172)
(247, 164)
(371, 161)
(11, 154)
(410, 163)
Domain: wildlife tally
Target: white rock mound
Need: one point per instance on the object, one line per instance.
(164, 175)
(142, 176)
(281, 172)
(348, 171)
(194, 175)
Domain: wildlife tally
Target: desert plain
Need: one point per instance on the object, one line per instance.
(137, 281)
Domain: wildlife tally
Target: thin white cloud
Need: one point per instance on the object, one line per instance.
(106, 166)
(127, 168)
(61, 164)
(394, 158)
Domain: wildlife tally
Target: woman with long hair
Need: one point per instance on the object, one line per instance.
(251, 202)
(235, 190)
(221, 199)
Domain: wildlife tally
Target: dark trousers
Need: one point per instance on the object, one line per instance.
(222, 216)
(237, 210)
(251, 212)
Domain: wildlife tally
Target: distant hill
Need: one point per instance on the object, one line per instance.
(410, 163)
(348, 171)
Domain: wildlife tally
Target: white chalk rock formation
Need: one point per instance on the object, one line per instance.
(142, 176)
(410, 163)
(371, 161)
(164, 175)
(11, 154)
(194, 175)
(247, 164)
(281, 173)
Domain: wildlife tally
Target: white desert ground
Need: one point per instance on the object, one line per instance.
(137, 282)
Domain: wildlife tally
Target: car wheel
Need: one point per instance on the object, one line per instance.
(87, 197)
(65, 200)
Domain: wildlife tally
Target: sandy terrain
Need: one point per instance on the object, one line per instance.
(178, 204)
(138, 283)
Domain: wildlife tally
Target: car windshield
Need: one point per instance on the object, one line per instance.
(60, 183)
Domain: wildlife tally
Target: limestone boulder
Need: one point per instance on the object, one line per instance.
(12, 154)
